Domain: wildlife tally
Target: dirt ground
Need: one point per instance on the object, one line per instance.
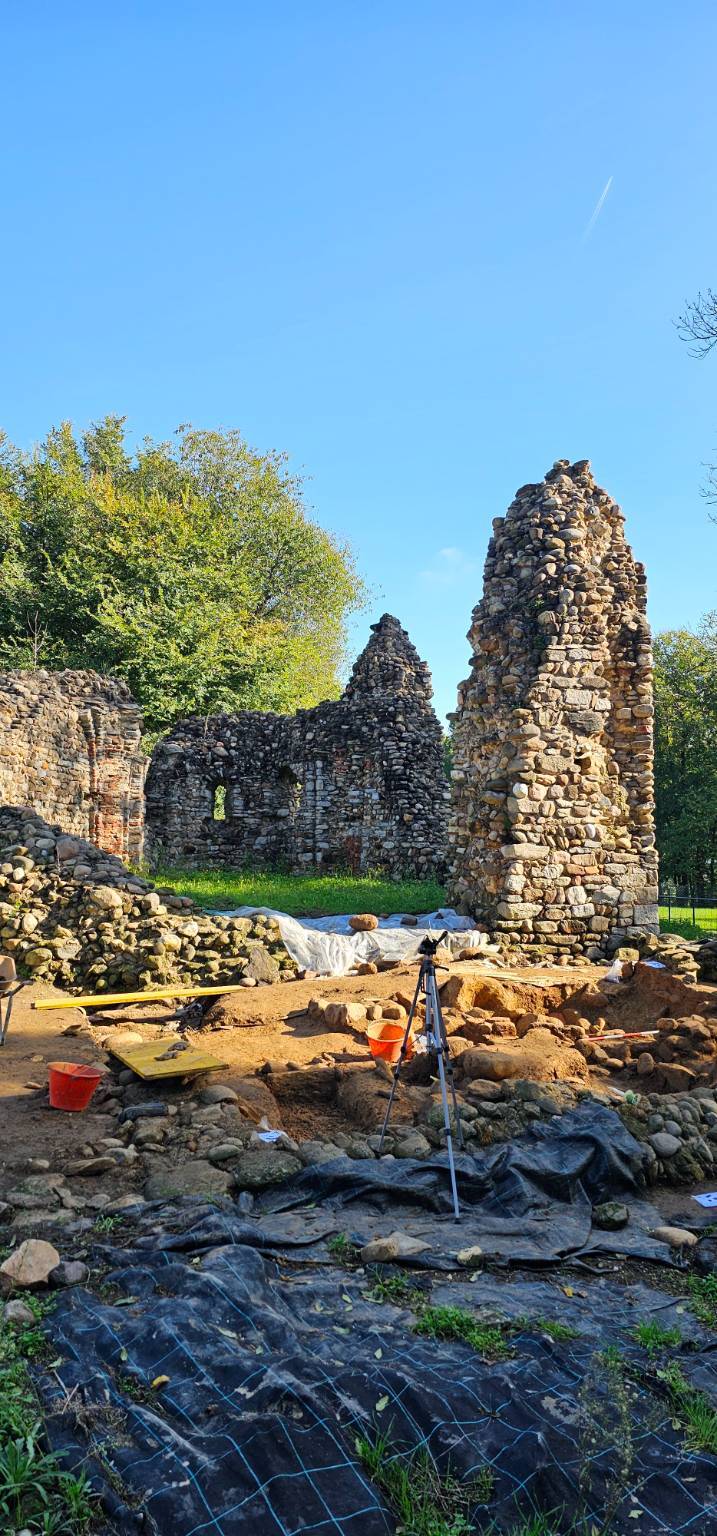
(247, 1030)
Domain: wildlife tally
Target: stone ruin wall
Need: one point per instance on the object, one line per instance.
(552, 823)
(357, 783)
(70, 750)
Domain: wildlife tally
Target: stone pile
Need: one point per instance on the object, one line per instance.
(70, 747)
(354, 784)
(552, 822)
(73, 915)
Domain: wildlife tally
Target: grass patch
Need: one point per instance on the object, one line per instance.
(342, 1249)
(301, 895)
(702, 1293)
(678, 919)
(34, 1491)
(426, 1501)
(397, 1290)
(693, 1408)
(560, 1332)
(106, 1223)
(455, 1323)
(654, 1338)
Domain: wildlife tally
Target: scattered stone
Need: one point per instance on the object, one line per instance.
(470, 1256)
(69, 1272)
(664, 1144)
(260, 1167)
(31, 1263)
(18, 1312)
(90, 1167)
(610, 1216)
(397, 1245)
(196, 1178)
(363, 922)
(676, 1237)
(218, 1093)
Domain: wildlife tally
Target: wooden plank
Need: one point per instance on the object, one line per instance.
(101, 999)
(143, 1059)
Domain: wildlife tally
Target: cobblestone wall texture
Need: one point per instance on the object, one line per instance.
(551, 834)
(357, 783)
(70, 750)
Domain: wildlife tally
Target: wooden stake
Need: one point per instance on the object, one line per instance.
(103, 998)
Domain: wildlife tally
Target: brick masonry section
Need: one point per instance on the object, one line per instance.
(70, 750)
(356, 784)
(552, 837)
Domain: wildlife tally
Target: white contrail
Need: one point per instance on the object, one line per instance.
(597, 210)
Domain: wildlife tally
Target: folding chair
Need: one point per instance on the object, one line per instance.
(9, 988)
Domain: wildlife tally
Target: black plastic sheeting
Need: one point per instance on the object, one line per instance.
(277, 1359)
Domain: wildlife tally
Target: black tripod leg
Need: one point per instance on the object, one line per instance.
(401, 1059)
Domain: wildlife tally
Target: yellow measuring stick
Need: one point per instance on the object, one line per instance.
(138, 997)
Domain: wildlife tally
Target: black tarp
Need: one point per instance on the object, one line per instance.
(278, 1358)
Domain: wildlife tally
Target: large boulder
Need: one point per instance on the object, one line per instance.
(31, 1264)
(196, 1178)
(260, 1167)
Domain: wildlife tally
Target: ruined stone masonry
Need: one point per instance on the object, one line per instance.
(552, 821)
(70, 749)
(357, 783)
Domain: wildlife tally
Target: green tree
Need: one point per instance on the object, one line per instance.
(191, 569)
(686, 754)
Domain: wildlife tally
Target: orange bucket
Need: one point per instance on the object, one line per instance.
(72, 1084)
(385, 1041)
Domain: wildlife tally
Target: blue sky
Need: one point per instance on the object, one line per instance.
(358, 233)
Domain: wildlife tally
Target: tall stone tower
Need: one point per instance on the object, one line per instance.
(552, 820)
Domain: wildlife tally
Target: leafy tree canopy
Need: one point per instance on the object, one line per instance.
(190, 569)
(686, 754)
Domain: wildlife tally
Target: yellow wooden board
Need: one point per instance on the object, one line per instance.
(144, 1059)
(102, 999)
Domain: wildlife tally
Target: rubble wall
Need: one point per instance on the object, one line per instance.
(353, 784)
(551, 830)
(70, 749)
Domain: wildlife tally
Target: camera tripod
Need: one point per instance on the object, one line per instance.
(437, 1041)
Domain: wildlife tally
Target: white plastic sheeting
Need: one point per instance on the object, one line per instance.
(329, 946)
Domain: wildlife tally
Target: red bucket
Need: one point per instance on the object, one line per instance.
(72, 1084)
(385, 1040)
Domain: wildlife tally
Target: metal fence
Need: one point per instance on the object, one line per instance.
(679, 905)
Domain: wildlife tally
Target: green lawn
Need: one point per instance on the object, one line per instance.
(302, 895)
(680, 921)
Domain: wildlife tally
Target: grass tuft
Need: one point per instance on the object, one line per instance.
(455, 1323)
(301, 895)
(426, 1501)
(560, 1332)
(694, 1408)
(397, 1290)
(654, 1338)
(702, 1292)
(35, 1494)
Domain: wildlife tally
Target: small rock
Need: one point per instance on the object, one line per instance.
(470, 1256)
(363, 922)
(610, 1216)
(31, 1263)
(196, 1178)
(665, 1144)
(218, 1093)
(69, 1272)
(90, 1167)
(18, 1312)
(140, 1111)
(312, 1153)
(676, 1237)
(413, 1145)
(397, 1245)
(261, 1166)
